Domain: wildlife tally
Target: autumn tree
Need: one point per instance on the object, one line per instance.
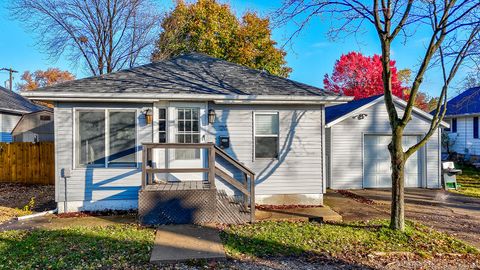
(103, 35)
(42, 78)
(451, 27)
(360, 76)
(209, 27)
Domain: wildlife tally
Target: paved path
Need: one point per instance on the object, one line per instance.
(453, 213)
(176, 243)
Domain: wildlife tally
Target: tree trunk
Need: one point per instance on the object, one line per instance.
(397, 218)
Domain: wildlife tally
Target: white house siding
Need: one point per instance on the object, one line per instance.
(298, 171)
(346, 147)
(7, 124)
(98, 188)
(463, 138)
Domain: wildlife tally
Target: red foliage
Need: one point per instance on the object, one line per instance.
(361, 76)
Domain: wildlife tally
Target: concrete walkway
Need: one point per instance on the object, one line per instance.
(177, 243)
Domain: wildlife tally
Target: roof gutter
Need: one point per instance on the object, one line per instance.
(148, 97)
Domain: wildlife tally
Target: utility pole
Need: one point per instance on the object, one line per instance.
(10, 71)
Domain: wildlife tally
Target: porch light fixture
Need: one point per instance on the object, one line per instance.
(211, 116)
(360, 116)
(148, 116)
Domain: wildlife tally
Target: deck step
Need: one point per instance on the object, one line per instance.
(230, 211)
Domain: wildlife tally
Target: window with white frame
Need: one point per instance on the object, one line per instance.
(188, 131)
(162, 125)
(266, 135)
(105, 138)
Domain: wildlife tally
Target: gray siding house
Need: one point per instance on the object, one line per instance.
(272, 125)
(357, 137)
(12, 108)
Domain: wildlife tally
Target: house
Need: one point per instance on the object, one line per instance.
(462, 113)
(35, 127)
(120, 136)
(15, 108)
(357, 136)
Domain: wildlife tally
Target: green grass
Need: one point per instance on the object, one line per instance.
(113, 247)
(357, 239)
(469, 181)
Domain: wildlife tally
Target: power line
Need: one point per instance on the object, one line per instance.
(10, 71)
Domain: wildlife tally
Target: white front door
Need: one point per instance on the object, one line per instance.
(187, 124)
(376, 162)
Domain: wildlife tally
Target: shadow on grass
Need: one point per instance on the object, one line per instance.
(117, 247)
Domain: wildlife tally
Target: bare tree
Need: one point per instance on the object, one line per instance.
(453, 27)
(104, 35)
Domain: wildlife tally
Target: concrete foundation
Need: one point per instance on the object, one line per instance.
(290, 199)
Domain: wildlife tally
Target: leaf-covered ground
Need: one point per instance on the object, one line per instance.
(112, 247)
(352, 239)
(469, 181)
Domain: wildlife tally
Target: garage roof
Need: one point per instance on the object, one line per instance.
(14, 103)
(338, 113)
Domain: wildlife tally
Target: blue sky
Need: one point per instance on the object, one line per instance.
(311, 54)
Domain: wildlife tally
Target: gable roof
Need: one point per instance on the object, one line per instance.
(467, 102)
(191, 75)
(336, 114)
(12, 102)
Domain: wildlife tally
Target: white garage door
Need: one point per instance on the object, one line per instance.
(376, 165)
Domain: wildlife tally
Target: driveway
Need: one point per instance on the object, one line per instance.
(455, 214)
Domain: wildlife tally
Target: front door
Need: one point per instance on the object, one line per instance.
(187, 125)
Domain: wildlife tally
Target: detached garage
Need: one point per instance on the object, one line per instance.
(357, 137)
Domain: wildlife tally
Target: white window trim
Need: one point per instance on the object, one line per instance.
(166, 123)
(107, 133)
(255, 113)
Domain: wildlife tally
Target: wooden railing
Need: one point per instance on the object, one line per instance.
(246, 186)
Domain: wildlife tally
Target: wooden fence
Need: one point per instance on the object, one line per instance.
(27, 163)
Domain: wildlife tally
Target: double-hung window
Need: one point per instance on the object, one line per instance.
(266, 135)
(105, 138)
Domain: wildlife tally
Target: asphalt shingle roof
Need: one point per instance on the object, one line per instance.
(334, 112)
(467, 102)
(15, 103)
(192, 73)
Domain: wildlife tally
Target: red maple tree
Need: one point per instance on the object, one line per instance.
(361, 76)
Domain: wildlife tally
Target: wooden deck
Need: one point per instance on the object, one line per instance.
(197, 202)
(183, 185)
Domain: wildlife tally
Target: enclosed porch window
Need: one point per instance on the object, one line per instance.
(105, 138)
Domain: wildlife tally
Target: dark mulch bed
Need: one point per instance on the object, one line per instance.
(19, 195)
(98, 213)
(356, 197)
(283, 207)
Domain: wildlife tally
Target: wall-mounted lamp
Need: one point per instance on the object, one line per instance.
(148, 115)
(211, 116)
(360, 116)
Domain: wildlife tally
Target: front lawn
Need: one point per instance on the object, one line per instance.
(349, 239)
(469, 181)
(112, 247)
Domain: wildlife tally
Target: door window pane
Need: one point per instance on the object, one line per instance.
(188, 132)
(90, 138)
(122, 139)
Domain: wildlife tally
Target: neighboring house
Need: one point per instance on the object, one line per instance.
(12, 109)
(272, 125)
(35, 127)
(462, 114)
(357, 137)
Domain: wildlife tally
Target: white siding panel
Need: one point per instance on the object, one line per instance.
(7, 124)
(346, 161)
(299, 167)
(95, 184)
(463, 138)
